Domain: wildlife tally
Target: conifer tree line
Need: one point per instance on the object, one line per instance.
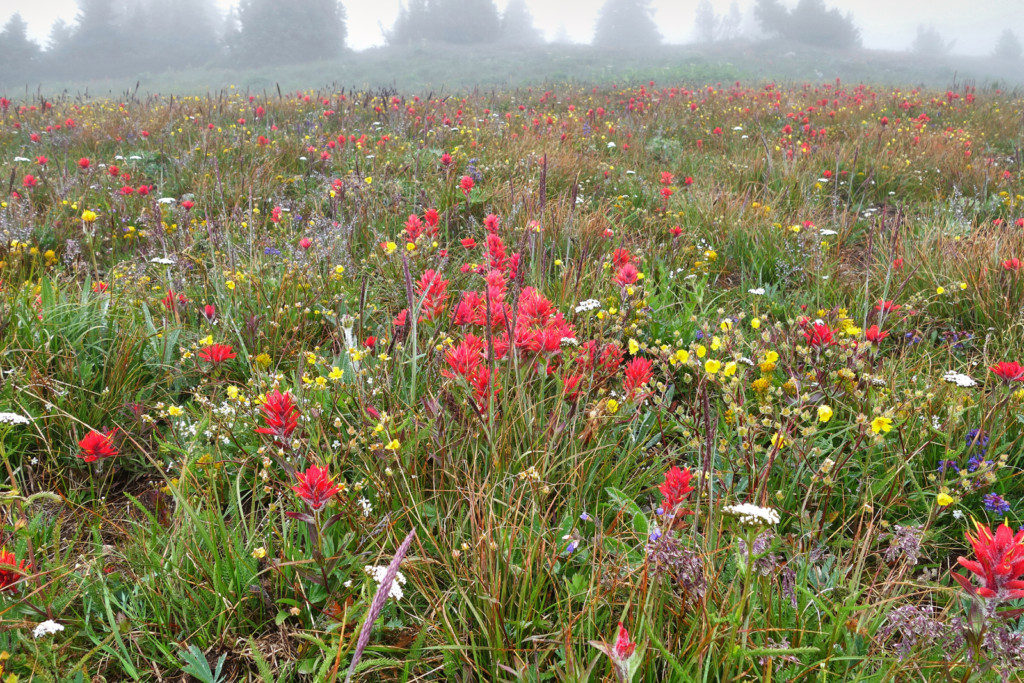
(128, 37)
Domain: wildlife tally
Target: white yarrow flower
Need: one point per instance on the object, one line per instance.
(47, 628)
(379, 571)
(959, 379)
(13, 419)
(753, 515)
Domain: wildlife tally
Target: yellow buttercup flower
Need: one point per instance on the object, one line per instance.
(881, 425)
(711, 366)
(824, 413)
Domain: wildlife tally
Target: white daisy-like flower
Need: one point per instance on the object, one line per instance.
(13, 419)
(588, 305)
(47, 628)
(753, 515)
(757, 291)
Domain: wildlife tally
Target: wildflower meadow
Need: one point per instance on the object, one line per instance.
(637, 382)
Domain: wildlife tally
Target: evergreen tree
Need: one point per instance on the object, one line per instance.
(19, 56)
(517, 25)
(732, 23)
(466, 22)
(412, 25)
(929, 43)
(457, 22)
(810, 22)
(772, 17)
(1008, 47)
(96, 46)
(276, 31)
(58, 44)
(706, 22)
(626, 24)
(172, 33)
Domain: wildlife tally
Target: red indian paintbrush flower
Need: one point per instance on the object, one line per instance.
(875, 335)
(675, 488)
(315, 487)
(466, 184)
(624, 647)
(638, 373)
(280, 414)
(1000, 563)
(620, 652)
(819, 334)
(627, 275)
(217, 353)
(11, 571)
(1008, 371)
(96, 445)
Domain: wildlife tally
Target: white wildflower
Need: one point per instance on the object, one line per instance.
(47, 628)
(379, 571)
(959, 379)
(753, 515)
(13, 419)
(588, 305)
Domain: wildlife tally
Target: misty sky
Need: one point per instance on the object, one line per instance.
(884, 23)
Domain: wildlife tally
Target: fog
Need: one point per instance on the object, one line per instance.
(215, 33)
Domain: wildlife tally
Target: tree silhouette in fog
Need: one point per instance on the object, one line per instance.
(456, 22)
(626, 24)
(1008, 47)
(96, 43)
(280, 31)
(517, 25)
(18, 54)
(172, 33)
(929, 43)
(811, 22)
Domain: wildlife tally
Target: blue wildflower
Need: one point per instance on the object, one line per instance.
(997, 504)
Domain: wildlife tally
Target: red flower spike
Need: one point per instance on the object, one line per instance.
(217, 353)
(819, 334)
(675, 488)
(638, 373)
(11, 571)
(624, 647)
(315, 487)
(999, 564)
(96, 445)
(280, 415)
(1008, 371)
(875, 335)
